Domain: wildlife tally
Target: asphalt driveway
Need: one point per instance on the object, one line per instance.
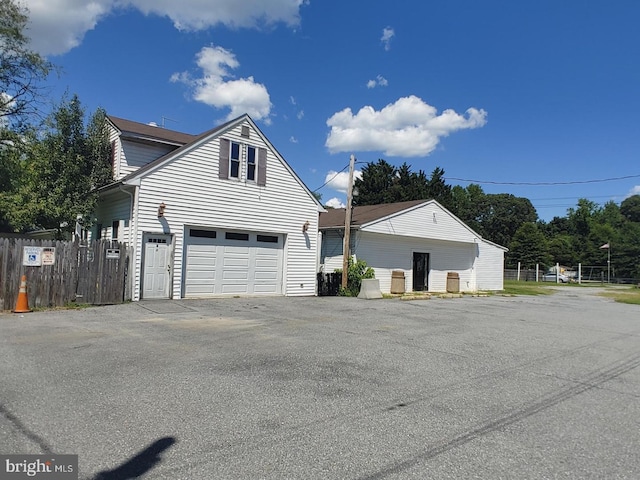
(329, 388)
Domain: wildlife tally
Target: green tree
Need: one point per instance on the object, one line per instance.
(375, 185)
(630, 208)
(381, 182)
(438, 190)
(561, 250)
(503, 215)
(22, 71)
(63, 169)
(529, 247)
(468, 204)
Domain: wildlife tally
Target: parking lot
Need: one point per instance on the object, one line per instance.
(329, 388)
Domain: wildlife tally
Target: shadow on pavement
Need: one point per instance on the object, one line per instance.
(140, 464)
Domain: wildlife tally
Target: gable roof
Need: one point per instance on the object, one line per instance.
(368, 214)
(334, 218)
(140, 131)
(195, 140)
(192, 142)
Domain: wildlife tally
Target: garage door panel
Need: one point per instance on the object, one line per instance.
(235, 263)
(222, 265)
(199, 290)
(265, 289)
(234, 289)
(203, 275)
(266, 275)
(235, 275)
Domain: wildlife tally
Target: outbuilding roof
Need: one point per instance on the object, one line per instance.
(334, 218)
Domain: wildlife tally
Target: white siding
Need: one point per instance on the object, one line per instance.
(385, 253)
(135, 155)
(195, 196)
(425, 221)
(115, 207)
(331, 251)
(490, 267)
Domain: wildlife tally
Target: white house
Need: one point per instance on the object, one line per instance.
(221, 213)
(421, 238)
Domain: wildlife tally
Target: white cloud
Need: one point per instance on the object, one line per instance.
(300, 115)
(634, 191)
(340, 181)
(334, 203)
(407, 128)
(292, 100)
(56, 26)
(293, 139)
(379, 81)
(213, 88)
(387, 34)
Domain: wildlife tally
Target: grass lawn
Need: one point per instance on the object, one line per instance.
(624, 295)
(629, 294)
(513, 287)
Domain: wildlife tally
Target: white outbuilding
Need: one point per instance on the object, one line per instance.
(420, 239)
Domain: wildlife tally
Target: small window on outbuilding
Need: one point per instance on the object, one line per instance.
(115, 229)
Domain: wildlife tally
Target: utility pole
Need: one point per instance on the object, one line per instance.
(347, 225)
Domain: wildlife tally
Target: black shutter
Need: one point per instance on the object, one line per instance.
(223, 165)
(262, 167)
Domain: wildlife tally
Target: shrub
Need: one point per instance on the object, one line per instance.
(356, 272)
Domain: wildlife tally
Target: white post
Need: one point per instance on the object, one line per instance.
(609, 264)
(518, 277)
(579, 274)
(537, 272)
(557, 272)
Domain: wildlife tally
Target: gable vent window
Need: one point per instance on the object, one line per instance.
(245, 131)
(242, 162)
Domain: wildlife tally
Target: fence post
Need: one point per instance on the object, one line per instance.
(518, 275)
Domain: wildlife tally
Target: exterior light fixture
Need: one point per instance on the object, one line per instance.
(161, 208)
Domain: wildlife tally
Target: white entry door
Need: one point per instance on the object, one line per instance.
(157, 269)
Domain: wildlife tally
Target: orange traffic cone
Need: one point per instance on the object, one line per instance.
(22, 304)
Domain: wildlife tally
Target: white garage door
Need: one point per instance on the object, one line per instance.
(219, 262)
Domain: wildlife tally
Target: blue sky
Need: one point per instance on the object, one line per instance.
(501, 93)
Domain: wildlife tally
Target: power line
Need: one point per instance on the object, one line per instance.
(538, 184)
(331, 179)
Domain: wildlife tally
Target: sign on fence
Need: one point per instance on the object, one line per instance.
(113, 253)
(48, 255)
(32, 256)
(61, 272)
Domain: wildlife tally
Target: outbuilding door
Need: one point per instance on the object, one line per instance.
(222, 262)
(157, 266)
(420, 272)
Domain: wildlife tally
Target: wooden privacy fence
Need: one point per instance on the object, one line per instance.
(95, 273)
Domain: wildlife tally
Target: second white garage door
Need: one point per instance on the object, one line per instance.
(219, 262)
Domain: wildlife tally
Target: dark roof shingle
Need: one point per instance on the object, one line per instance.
(150, 131)
(334, 218)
